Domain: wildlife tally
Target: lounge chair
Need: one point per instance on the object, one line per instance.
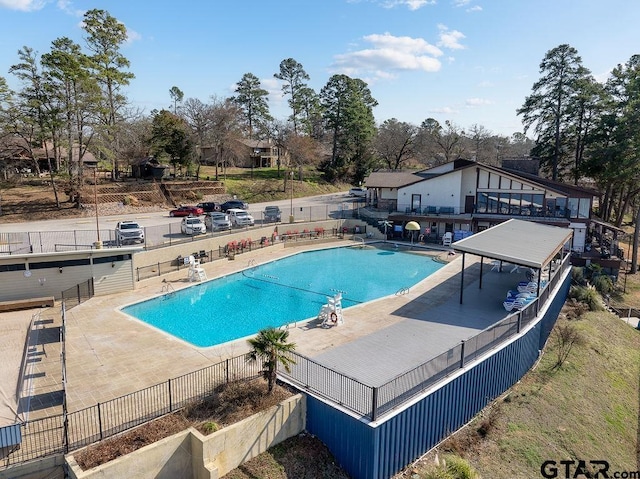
(517, 294)
(528, 287)
(516, 303)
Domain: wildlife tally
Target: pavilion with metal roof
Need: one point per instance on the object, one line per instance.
(521, 243)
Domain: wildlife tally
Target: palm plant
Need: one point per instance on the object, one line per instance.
(270, 345)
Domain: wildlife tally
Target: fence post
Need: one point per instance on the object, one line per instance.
(159, 273)
(374, 404)
(170, 398)
(462, 355)
(519, 320)
(227, 369)
(78, 292)
(100, 421)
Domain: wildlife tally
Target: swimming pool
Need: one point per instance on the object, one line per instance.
(281, 292)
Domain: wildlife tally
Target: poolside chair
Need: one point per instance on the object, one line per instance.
(516, 303)
(528, 287)
(517, 294)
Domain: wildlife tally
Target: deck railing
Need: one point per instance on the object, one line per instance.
(371, 402)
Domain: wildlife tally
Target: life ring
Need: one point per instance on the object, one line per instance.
(333, 317)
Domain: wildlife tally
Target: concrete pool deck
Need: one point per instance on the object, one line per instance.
(110, 354)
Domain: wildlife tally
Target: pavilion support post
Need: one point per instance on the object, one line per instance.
(462, 276)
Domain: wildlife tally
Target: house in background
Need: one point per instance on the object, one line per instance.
(148, 168)
(262, 154)
(463, 197)
(18, 157)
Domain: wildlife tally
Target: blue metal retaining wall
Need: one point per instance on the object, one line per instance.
(366, 452)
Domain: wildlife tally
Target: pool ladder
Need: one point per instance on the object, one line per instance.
(167, 288)
(403, 290)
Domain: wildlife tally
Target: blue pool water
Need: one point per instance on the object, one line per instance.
(280, 292)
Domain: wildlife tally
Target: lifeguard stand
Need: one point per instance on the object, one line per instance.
(331, 312)
(196, 272)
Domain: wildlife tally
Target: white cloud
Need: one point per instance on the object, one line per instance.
(450, 38)
(475, 8)
(67, 7)
(389, 54)
(411, 4)
(485, 84)
(132, 35)
(446, 110)
(23, 5)
(461, 3)
(472, 102)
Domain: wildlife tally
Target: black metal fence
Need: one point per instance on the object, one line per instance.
(371, 402)
(235, 247)
(159, 236)
(60, 434)
(78, 294)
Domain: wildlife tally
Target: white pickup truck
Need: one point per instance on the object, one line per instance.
(129, 232)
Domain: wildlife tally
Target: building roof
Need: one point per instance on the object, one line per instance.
(516, 241)
(391, 179)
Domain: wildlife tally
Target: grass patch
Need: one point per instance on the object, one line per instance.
(585, 408)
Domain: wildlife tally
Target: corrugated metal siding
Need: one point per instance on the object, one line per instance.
(553, 311)
(42, 282)
(10, 435)
(351, 441)
(378, 453)
(113, 279)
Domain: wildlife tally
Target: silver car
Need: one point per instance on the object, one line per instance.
(217, 221)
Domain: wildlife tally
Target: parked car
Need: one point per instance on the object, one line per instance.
(183, 210)
(209, 206)
(217, 221)
(192, 225)
(237, 204)
(129, 232)
(240, 217)
(272, 214)
(358, 191)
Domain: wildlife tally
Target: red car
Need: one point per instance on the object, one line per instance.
(186, 211)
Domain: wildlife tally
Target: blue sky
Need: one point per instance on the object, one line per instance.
(466, 61)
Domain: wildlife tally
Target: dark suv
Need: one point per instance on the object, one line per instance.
(231, 204)
(209, 206)
(272, 214)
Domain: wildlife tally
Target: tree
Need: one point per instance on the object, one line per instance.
(76, 93)
(548, 109)
(482, 144)
(105, 36)
(347, 106)
(449, 141)
(272, 348)
(176, 97)
(395, 142)
(252, 101)
(293, 75)
(170, 137)
(199, 117)
(225, 131)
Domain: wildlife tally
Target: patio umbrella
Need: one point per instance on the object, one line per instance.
(412, 226)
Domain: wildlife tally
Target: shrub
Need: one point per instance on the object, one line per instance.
(603, 284)
(577, 276)
(210, 426)
(451, 467)
(567, 336)
(587, 295)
